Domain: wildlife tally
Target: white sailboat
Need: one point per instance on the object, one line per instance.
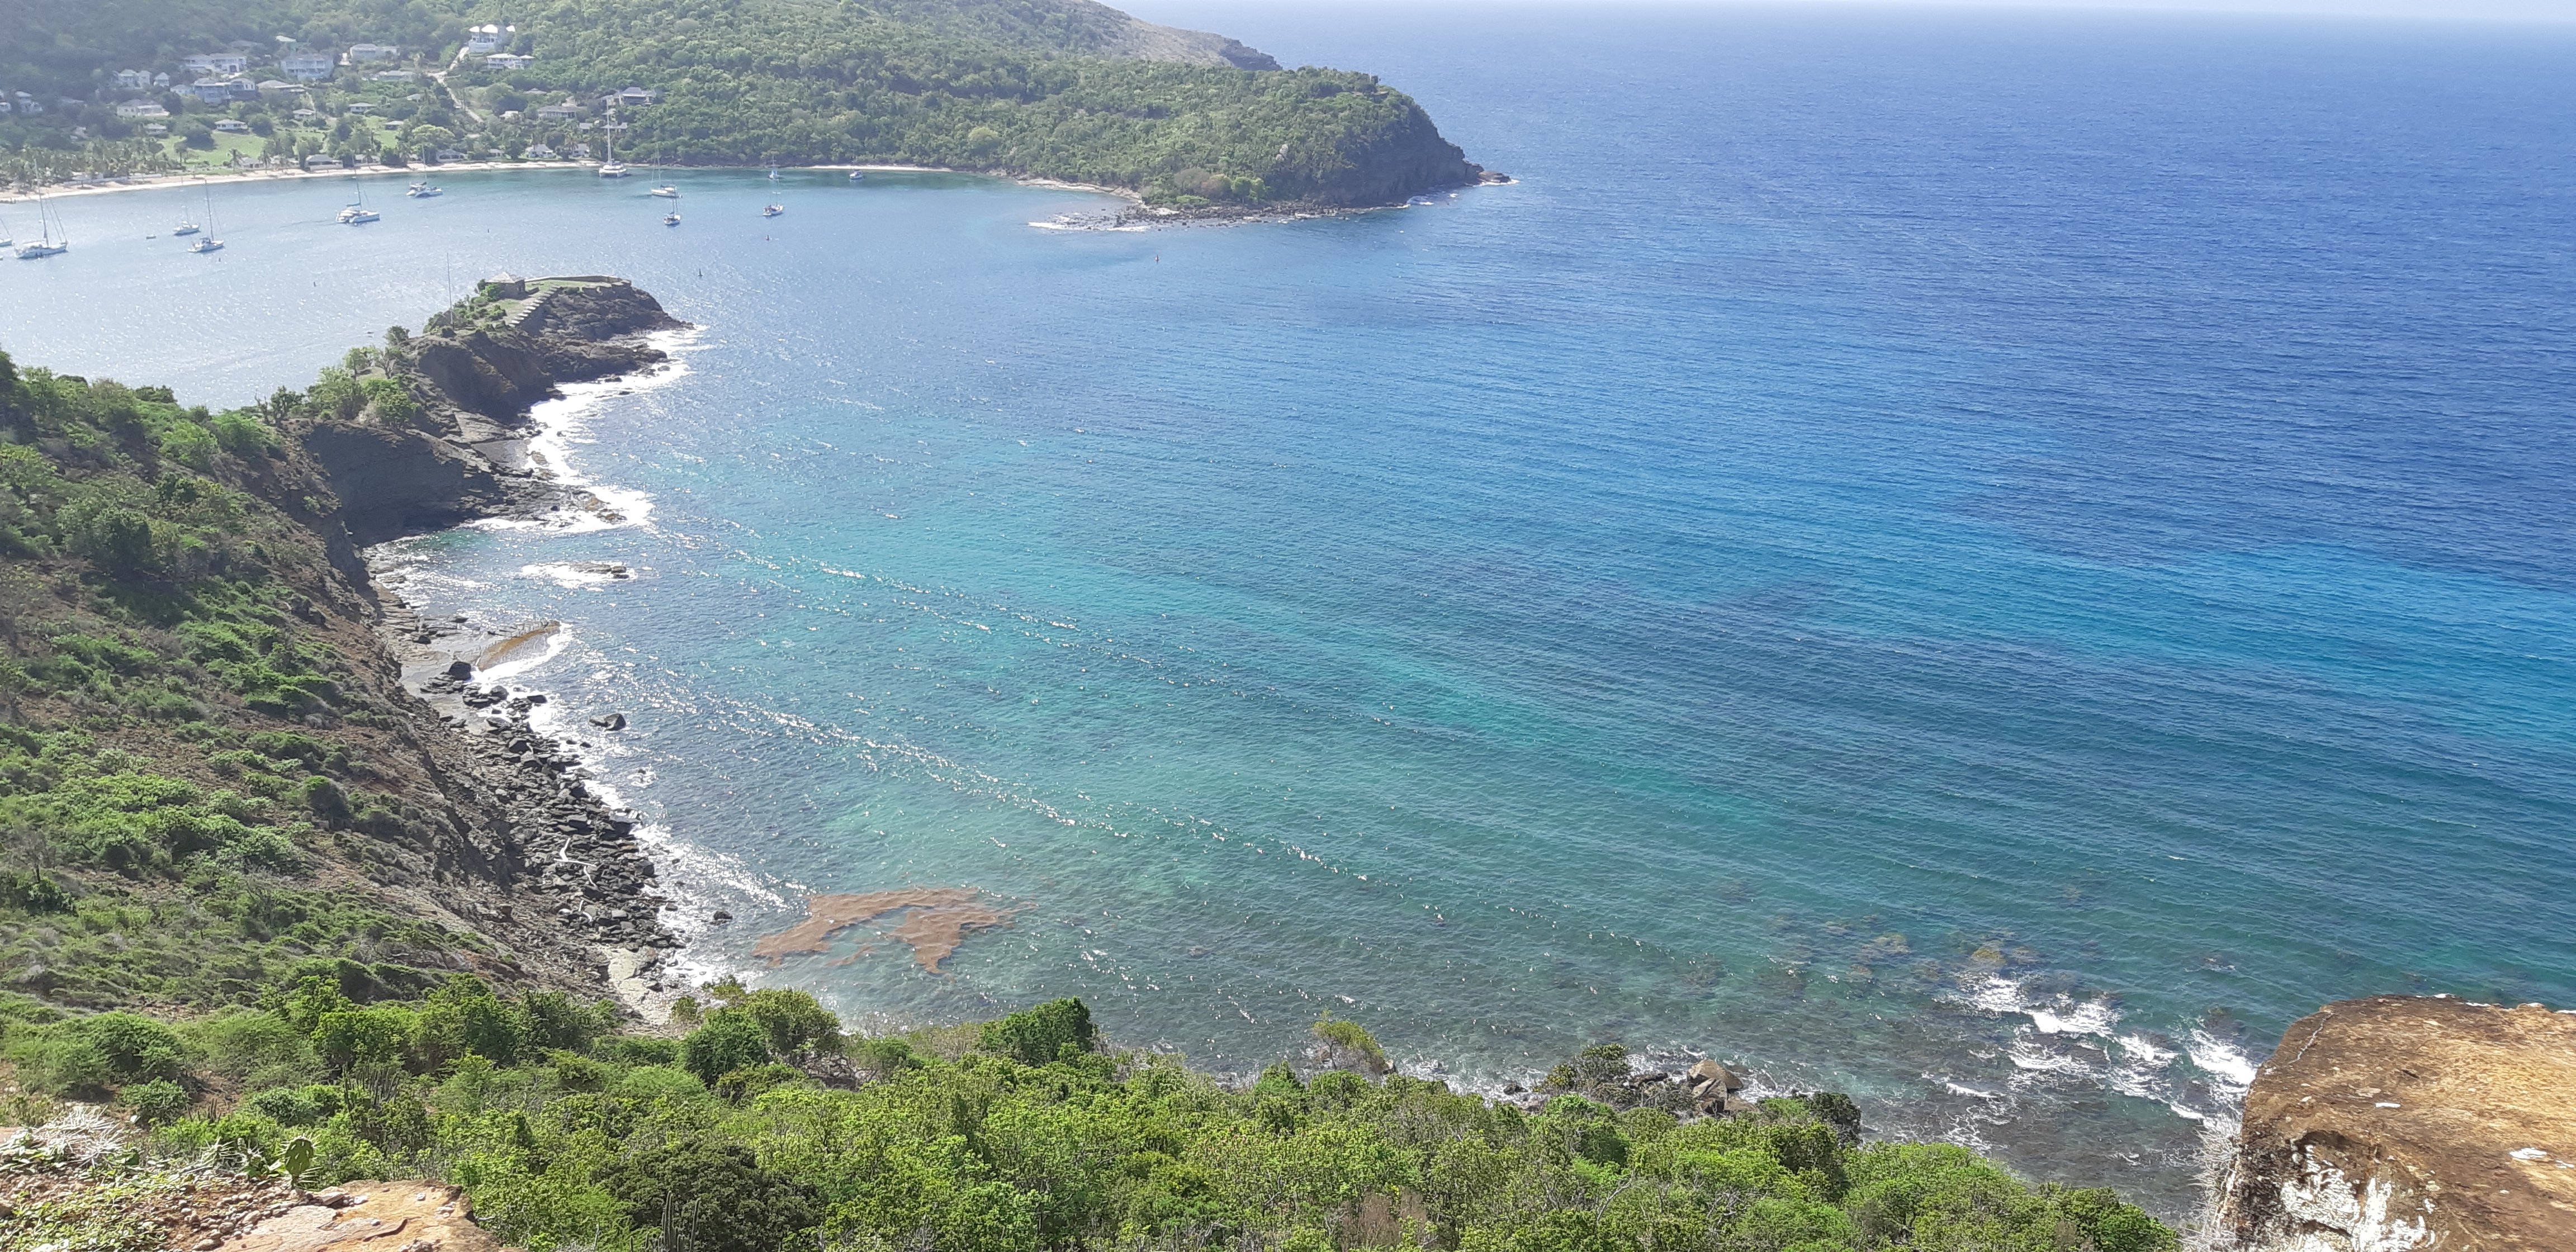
(207, 242)
(47, 245)
(423, 191)
(666, 191)
(773, 210)
(671, 219)
(610, 168)
(358, 214)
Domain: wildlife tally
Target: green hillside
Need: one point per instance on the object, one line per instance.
(1049, 88)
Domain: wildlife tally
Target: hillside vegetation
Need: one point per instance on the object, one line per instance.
(1050, 88)
(766, 1129)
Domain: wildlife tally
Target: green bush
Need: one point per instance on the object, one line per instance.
(709, 1196)
(723, 1045)
(1036, 1036)
(154, 1102)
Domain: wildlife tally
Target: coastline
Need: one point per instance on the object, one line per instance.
(1137, 215)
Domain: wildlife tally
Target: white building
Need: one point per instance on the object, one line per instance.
(215, 63)
(141, 108)
(372, 52)
(508, 61)
(134, 80)
(233, 126)
(306, 65)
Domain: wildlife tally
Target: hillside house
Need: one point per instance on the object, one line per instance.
(363, 52)
(562, 111)
(632, 97)
(141, 108)
(134, 80)
(215, 63)
(508, 61)
(308, 66)
(232, 126)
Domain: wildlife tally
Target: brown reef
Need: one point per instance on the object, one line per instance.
(936, 921)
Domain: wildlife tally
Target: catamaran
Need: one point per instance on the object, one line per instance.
(47, 245)
(207, 242)
(358, 214)
(609, 168)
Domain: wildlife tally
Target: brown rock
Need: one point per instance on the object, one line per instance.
(409, 1216)
(1707, 1072)
(2407, 1122)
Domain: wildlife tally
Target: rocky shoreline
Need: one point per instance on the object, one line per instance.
(476, 373)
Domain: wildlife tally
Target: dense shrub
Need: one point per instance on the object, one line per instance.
(1038, 1035)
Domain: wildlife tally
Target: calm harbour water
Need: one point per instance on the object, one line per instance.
(1990, 561)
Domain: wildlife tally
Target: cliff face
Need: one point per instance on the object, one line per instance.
(475, 373)
(2404, 1122)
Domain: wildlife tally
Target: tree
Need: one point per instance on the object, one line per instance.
(723, 1045)
(1035, 1036)
(711, 1197)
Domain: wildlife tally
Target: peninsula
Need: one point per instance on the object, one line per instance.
(1189, 122)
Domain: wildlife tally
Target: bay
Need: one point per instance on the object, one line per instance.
(1985, 560)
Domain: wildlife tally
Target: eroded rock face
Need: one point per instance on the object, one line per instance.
(2404, 1123)
(475, 382)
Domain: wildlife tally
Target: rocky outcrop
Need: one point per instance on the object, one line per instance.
(2395, 1123)
(408, 1216)
(475, 373)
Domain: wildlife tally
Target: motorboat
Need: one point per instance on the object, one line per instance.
(423, 191)
(773, 210)
(858, 176)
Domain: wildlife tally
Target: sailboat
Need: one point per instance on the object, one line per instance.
(207, 242)
(358, 214)
(423, 191)
(610, 168)
(671, 219)
(773, 210)
(773, 171)
(666, 191)
(46, 246)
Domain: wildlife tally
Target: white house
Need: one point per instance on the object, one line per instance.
(134, 80)
(233, 126)
(372, 52)
(362, 107)
(393, 76)
(564, 111)
(508, 61)
(306, 65)
(632, 97)
(540, 152)
(141, 108)
(215, 63)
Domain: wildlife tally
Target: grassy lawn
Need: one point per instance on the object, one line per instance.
(221, 155)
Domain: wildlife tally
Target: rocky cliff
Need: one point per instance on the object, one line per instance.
(473, 375)
(2404, 1122)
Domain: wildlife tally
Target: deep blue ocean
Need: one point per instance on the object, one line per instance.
(1989, 560)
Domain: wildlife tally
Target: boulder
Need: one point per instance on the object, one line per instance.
(610, 721)
(2397, 1122)
(1711, 1078)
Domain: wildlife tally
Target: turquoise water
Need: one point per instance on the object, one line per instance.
(1988, 561)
